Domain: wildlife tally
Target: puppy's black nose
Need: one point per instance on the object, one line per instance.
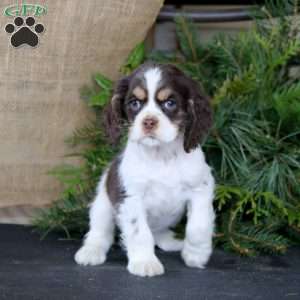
(150, 123)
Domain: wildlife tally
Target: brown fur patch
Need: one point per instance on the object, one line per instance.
(164, 94)
(139, 93)
(116, 192)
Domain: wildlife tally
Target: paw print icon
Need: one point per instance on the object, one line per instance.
(24, 32)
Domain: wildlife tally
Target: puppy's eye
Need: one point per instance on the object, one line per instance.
(169, 104)
(135, 104)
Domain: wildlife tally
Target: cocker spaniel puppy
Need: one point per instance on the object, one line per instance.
(159, 175)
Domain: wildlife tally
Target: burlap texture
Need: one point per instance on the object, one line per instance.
(39, 87)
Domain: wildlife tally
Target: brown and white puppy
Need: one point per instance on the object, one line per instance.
(160, 174)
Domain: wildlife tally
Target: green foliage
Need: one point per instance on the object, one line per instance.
(136, 57)
(253, 147)
(287, 105)
(249, 222)
(100, 98)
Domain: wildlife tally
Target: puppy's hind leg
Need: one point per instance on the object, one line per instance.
(166, 241)
(101, 234)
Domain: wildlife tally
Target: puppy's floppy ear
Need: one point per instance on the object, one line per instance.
(114, 113)
(199, 116)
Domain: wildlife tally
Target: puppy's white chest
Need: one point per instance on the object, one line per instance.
(161, 185)
(164, 205)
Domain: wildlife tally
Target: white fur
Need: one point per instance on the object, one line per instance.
(161, 181)
(101, 234)
(166, 241)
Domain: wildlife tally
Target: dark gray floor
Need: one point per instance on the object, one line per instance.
(34, 269)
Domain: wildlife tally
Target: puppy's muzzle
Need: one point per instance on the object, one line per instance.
(150, 124)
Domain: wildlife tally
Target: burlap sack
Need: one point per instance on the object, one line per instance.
(39, 98)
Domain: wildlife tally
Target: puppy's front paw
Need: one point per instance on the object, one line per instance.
(146, 267)
(196, 258)
(90, 255)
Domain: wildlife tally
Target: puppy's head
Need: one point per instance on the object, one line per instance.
(160, 103)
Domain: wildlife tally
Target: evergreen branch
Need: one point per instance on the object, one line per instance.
(186, 35)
